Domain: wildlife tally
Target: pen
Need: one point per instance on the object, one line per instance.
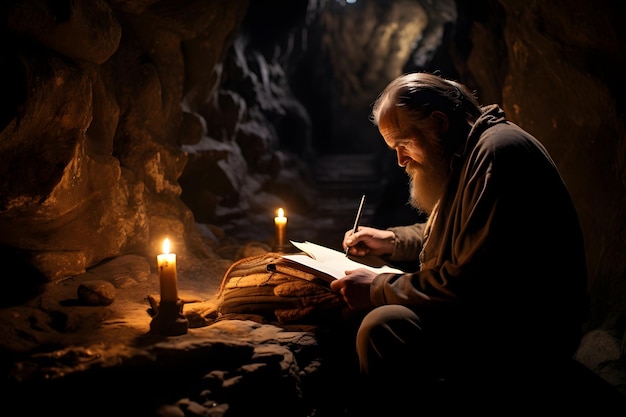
(357, 220)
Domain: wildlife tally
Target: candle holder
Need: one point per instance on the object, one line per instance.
(169, 319)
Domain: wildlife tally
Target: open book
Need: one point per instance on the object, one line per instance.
(329, 264)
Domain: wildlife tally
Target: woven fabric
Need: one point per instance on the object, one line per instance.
(261, 285)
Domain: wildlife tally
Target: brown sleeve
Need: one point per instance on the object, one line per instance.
(408, 242)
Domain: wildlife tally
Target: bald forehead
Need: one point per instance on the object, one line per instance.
(394, 124)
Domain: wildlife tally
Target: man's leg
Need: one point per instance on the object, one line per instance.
(396, 362)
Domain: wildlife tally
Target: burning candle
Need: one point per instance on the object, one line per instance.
(281, 224)
(166, 262)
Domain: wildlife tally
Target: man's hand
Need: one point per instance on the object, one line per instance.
(369, 241)
(355, 288)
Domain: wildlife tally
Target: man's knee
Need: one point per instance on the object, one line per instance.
(389, 337)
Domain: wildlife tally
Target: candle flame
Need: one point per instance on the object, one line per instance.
(166, 246)
(281, 212)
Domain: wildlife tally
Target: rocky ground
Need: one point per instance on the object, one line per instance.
(67, 357)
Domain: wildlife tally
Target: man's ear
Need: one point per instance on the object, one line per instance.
(441, 121)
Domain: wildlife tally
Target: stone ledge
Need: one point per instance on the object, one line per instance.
(239, 366)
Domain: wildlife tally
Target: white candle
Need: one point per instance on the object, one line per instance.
(166, 262)
(281, 224)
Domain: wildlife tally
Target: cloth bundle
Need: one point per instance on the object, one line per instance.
(262, 285)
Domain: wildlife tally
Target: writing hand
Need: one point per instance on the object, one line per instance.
(369, 241)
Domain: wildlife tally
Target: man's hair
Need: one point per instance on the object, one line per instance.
(420, 94)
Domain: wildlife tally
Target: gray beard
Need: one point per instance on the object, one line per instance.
(426, 188)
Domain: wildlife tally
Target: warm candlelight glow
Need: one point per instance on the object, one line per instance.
(281, 224)
(167, 273)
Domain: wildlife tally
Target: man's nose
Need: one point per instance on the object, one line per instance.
(403, 158)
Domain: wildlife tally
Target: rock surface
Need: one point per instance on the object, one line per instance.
(105, 359)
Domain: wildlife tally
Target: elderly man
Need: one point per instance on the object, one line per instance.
(497, 306)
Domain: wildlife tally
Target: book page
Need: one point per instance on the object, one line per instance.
(332, 262)
(318, 252)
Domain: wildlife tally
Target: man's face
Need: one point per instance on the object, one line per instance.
(423, 158)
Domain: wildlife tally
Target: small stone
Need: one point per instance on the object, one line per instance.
(96, 293)
(170, 411)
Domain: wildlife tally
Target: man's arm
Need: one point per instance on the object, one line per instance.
(408, 242)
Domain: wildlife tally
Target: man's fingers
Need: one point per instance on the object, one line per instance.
(336, 285)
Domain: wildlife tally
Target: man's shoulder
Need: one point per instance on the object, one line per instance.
(505, 134)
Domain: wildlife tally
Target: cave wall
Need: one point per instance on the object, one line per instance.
(555, 67)
(90, 139)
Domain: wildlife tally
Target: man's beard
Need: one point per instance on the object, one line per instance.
(427, 183)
